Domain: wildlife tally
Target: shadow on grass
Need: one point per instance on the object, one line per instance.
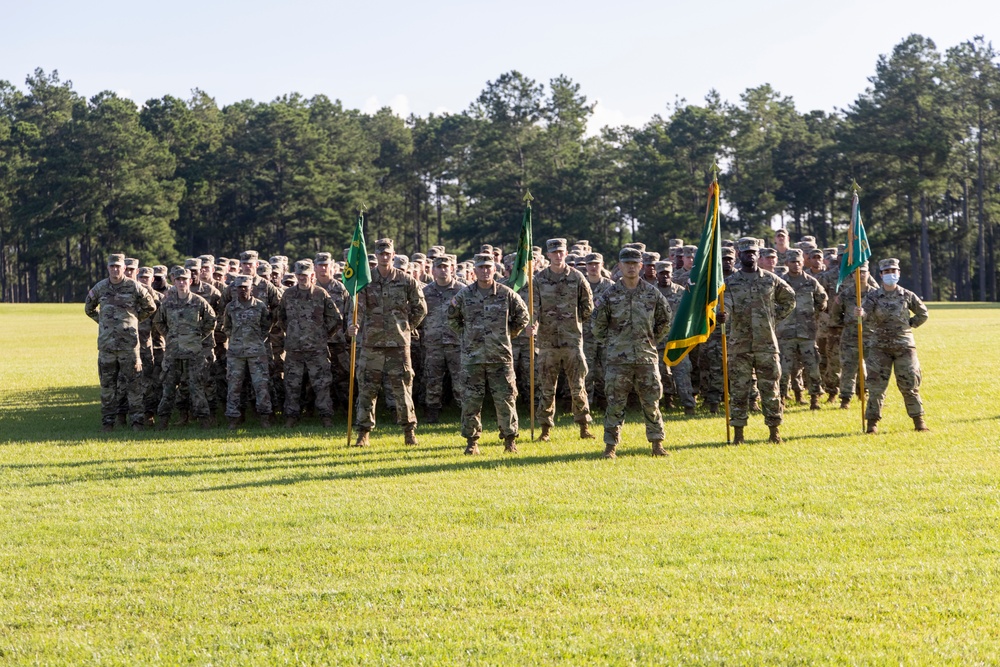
(960, 305)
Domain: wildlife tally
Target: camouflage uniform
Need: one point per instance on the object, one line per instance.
(521, 345)
(442, 347)
(246, 325)
(755, 303)
(562, 302)
(676, 379)
(390, 308)
(264, 290)
(630, 323)
(593, 351)
(797, 333)
(151, 345)
(118, 310)
(486, 320)
(187, 325)
(842, 315)
(828, 335)
(340, 348)
(893, 347)
(307, 317)
(214, 298)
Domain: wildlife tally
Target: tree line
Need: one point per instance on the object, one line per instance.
(81, 178)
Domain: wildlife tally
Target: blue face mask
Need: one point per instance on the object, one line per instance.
(890, 278)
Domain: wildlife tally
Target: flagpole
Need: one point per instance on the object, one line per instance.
(722, 310)
(857, 294)
(350, 387)
(531, 320)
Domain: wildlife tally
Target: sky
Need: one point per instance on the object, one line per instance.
(635, 59)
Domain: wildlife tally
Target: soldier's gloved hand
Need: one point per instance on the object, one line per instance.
(722, 318)
(352, 330)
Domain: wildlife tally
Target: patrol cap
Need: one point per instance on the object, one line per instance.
(144, 271)
(160, 270)
(728, 251)
(630, 255)
(793, 255)
(808, 239)
(594, 258)
(372, 259)
(223, 261)
(864, 266)
(435, 252)
(418, 257)
(248, 256)
(400, 261)
(771, 252)
(805, 245)
(572, 258)
(234, 263)
(288, 279)
(321, 258)
(207, 260)
(385, 245)
(829, 252)
(582, 242)
(263, 269)
(116, 259)
(781, 232)
(242, 281)
(443, 260)
(728, 243)
(303, 267)
(131, 263)
(887, 264)
(747, 243)
(650, 257)
(816, 251)
(841, 249)
(192, 263)
(486, 247)
(453, 258)
(179, 272)
(278, 260)
(637, 245)
(484, 259)
(675, 243)
(555, 245)
(690, 250)
(536, 249)
(664, 266)
(440, 249)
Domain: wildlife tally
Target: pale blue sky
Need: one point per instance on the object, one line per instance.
(634, 58)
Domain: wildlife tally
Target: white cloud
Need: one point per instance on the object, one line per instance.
(400, 105)
(604, 116)
(125, 93)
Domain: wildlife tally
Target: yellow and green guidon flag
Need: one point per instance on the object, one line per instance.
(694, 320)
(519, 272)
(858, 250)
(357, 273)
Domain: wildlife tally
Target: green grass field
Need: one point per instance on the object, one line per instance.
(288, 547)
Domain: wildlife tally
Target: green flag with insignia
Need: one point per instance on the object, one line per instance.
(357, 273)
(858, 250)
(519, 273)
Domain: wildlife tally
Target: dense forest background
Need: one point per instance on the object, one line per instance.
(81, 178)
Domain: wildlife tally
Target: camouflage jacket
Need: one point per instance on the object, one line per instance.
(486, 320)
(247, 326)
(842, 311)
(308, 317)
(755, 303)
(342, 300)
(150, 338)
(673, 293)
(680, 277)
(435, 329)
(888, 315)
(828, 280)
(630, 323)
(262, 290)
(390, 309)
(186, 324)
(810, 301)
(210, 293)
(596, 289)
(562, 303)
(118, 309)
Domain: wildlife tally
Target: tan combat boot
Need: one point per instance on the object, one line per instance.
(774, 437)
(831, 397)
(738, 435)
(362, 440)
(814, 402)
(845, 403)
(919, 424)
(327, 422)
(410, 435)
(798, 397)
(234, 423)
(585, 433)
(545, 437)
(471, 446)
(658, 449)
(609, 451)
(668, 404)
(872, 426)
(510, 444)
(265, 421)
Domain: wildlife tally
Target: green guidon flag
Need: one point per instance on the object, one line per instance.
(357, 273)
(858, 250)
(519, 272)
(695, 317)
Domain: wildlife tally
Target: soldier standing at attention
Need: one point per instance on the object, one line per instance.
(828, 336)
(593, 351)
(711, 354)
(442, 346)
(150, 351)
(486, 315)
(842, 315)
(118, 304)
(186, 321)
(887, 310)
(308, 316)
(340, 351)
(797, 332)
(630, 318)
(562, 303)
(390, 308)
(755, 302)
(246, 323)
(781, 246)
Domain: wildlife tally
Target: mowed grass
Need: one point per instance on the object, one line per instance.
(288, 547)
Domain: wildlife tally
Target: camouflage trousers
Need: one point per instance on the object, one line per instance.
(340, 366)
(189, 373)
(882, 361)
(207, 382)
(417, 362)
(503, 387)
(237, 369)
(679, 379)
(619, 381)
(830, 368)
(393, 364)
(521, 348)
(220, 368)
(315, 365)
(276, 366)
(742, 367)
(593, 352)
(550, 362)
(711, 370)
(152, 384)
(441, 359)
(849, 361)
(799, 353)
(120, 381)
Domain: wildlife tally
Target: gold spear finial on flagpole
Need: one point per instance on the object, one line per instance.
(363, 209)
(528, 199)
(855, 188)
(715, 170)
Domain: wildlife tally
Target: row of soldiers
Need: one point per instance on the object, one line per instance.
(218, 329)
